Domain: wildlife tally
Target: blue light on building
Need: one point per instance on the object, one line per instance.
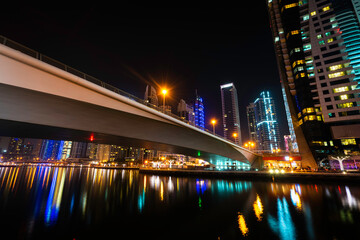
(350, 32)
(50, 149)
(267, 129)
(199, 113)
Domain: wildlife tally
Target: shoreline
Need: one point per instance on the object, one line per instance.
(323, 177)
(258, 175)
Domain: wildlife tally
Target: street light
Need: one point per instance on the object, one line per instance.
(213, 122)
(235, 136)
(164, 92)
(249, 145)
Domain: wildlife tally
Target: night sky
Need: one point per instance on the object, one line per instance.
(185, 49)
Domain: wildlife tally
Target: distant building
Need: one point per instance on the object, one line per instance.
(151, 96)
(103, 152)
(50, 149)
(230, 113)
(288, 143)
(199, 112)
(250, 114)
(167, 109)
(78, 150)
(267, 128)
(4, 144)
(186, 112)
(64, 150)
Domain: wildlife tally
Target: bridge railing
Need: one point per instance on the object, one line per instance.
(30, 52)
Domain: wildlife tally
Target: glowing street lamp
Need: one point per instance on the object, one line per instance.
(249, 145)
(213, 122)
(235, 136)
(164, 92)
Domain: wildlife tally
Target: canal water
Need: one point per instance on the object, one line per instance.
(41, 202)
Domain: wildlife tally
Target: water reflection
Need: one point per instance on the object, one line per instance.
(258, 208)
(67, 203)
(283, 224)
(242, 224)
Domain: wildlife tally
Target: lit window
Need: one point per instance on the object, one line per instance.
(343, 97)
(298, 62)
(313, 13)
(312, 117)
(326, 8)
(307, 47)
(330, 40)
(319, 118)
(306, 17)
(294, 32)
(335, 67)
(348, 141)
(341, 89)
(310, 110)
(322, 42)
(319, 36)
(345, 105)
(337, 74)
(291, 5)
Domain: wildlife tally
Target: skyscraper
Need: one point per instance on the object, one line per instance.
(230, 113)
(151, 96)
(316, 48)
(250, 114)
(262, 116)
(199, 112)
(186, 112)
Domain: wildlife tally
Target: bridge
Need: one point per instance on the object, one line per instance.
(43, 98)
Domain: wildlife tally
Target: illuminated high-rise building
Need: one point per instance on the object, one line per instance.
(230, 113)
(186, 112)
(199, 112)
(317, 49)
(250, 114)
(151, 96)
(50, 149)
(266, 124)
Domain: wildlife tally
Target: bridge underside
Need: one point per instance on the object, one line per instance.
(33, 114)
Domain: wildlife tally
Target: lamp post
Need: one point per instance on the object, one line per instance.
(213, 122)
(249, 145)
(235, 136)
(164, 92)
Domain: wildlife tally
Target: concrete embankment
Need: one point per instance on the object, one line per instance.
(259, 175)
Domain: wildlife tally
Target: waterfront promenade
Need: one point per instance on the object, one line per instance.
(348, 177)
(259, 175)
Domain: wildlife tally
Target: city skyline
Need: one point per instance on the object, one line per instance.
(129, 53)
(180, 123)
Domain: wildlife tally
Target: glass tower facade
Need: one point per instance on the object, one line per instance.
(199, 112)
(316, 45)
(230, 113)
(267, 128)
